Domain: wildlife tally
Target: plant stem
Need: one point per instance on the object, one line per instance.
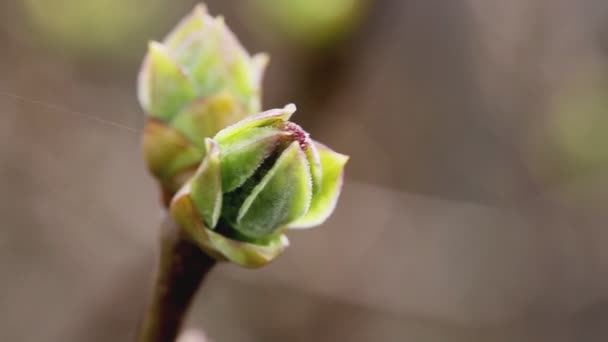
(182, 267)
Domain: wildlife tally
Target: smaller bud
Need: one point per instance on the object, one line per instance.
(260, 177)
(199, 80)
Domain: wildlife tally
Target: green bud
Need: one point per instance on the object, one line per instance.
(260, 177)
(197, 81)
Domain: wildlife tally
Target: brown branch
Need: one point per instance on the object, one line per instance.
(182, 267)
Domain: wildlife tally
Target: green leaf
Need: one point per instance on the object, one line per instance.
(206, 187)
(232, 134)
(218, 246)
(215, 60)
(163, 87)
(324, 201)
(201, 57)
(247, 254)
(206, 66)
(241, 76)
(314, 160)
(282, 196)
(204, 117)
(166, 151)
(241, 158)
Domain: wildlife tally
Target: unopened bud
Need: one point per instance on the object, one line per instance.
(260, 177)
(197, 81)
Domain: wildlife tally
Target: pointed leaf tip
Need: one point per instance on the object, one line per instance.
(191, 23)
(325, 199)
(289, 109)
(260, 62)
(200, 9)
(267, 118)
(164, 88)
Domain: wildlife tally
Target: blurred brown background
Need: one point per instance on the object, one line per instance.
(475, 201)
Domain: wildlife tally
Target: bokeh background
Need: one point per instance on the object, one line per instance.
(475, 204)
